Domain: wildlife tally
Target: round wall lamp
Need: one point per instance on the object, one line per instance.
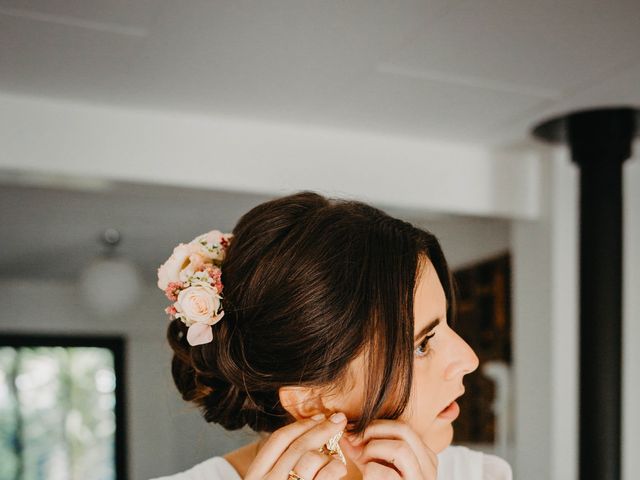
(110, 283)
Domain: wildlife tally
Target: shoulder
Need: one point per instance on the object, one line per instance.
(215, 468)
(457, 462)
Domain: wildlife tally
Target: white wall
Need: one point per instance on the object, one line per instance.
(545, 311)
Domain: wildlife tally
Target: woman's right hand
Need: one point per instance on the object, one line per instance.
(296, 447)
(391, 449)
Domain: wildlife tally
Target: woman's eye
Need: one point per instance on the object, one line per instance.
(422, 350)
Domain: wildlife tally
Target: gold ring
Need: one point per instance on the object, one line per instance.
(294, 476)
(327, 451)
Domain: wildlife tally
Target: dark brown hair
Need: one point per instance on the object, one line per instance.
(310, 283)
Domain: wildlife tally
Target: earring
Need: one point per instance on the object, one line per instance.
(332, 448)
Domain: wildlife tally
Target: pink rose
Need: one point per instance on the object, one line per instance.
(184, 257)
(198, 304)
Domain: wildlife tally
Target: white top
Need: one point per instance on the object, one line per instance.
(454, 463)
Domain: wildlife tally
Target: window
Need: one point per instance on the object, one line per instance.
(61, 408)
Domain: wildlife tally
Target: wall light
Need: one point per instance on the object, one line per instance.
(110, 283)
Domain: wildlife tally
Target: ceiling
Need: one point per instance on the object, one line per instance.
(480, 71)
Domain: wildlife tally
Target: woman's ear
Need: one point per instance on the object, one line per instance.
(301, 402)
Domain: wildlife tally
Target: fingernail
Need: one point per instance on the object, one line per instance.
(337, 417)
(318, 416)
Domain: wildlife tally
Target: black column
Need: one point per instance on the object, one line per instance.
(599, 141)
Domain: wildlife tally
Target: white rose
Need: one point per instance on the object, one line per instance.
(209, 244)
(184, 256)
(195, 262)
(198, 304)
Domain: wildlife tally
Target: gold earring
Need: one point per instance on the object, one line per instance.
(332, 448)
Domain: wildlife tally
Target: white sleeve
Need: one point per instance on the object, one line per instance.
(215, 468)
(495, 468)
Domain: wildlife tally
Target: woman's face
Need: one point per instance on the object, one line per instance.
(440, 363)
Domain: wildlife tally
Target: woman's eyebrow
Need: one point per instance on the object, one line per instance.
(427, 329)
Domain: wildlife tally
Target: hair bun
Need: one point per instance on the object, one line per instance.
(309, 284)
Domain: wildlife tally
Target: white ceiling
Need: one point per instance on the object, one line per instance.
(478, 70)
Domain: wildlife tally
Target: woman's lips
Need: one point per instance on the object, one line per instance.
(450, 412)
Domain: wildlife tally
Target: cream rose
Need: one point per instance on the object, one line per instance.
(185, 256)
(210, 244)
(195, 262)
(198, 304)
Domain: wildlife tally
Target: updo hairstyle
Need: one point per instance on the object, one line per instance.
(310, 283)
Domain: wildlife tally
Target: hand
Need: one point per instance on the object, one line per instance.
(390, 449)
(296, 447)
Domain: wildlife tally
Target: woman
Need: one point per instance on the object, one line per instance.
(318, 317)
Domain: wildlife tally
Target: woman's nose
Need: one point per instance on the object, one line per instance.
(464, 359)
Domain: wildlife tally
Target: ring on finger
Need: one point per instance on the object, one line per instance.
(294, 476)
(308, 465)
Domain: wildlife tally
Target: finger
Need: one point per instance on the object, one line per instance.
(276, 444)
(332, 470)
(312, 439)
(350, 450)
(355, 454)
(376, 471)
(396, 453)
(396, 429)
(310, 463)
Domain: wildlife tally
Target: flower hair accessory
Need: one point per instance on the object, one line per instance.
(191, 278)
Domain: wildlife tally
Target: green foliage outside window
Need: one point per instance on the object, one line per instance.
(57, 417)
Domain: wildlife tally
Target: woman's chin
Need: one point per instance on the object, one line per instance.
(439, 439)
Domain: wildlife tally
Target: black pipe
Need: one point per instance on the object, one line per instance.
(599, 141)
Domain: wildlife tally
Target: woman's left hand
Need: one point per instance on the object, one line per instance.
(391, 449)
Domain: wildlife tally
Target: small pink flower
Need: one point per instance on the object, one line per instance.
(216, 276)
(173, 289)
(225, 241)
